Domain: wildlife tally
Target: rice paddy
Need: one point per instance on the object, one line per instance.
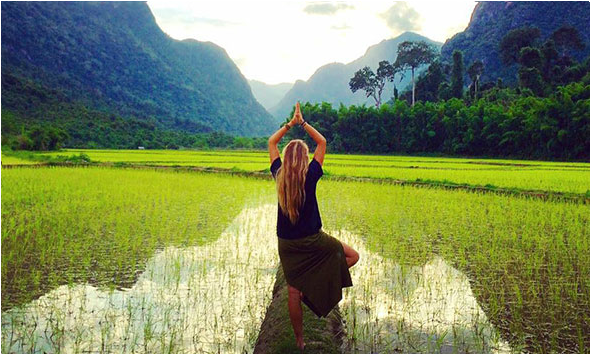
(103, 259)
(567, 177)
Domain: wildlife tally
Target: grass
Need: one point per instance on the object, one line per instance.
(99, 225)
(526, 260)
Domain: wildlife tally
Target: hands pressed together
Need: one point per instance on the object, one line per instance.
(297, 116)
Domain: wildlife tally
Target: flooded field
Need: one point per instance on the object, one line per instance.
(121, 260)
(399, 308)
(200, 299)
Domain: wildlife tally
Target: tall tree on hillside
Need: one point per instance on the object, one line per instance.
(365, 79)
(516, 39)
(411, 55)
(457, 75)
(567, 37)
(475, 71)
(529, 74)
(388, 72)
(373, 85)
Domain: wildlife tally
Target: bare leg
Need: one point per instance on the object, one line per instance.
(351, 255)
(294, 305)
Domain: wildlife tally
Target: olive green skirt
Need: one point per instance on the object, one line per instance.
(316, 266)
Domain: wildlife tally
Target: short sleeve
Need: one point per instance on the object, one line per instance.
(315, 170)
(275, 166)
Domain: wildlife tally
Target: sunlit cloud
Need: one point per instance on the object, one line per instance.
(400, 17)
(324, 8)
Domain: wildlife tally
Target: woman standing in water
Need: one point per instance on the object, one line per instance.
(316, 265)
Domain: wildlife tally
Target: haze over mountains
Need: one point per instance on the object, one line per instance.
(269, 95)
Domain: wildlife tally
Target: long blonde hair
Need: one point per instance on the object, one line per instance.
(291, 178)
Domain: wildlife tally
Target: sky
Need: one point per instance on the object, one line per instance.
(276, 41)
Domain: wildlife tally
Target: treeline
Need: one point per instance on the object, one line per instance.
(35, 117)
(504, 122)
(82, 128)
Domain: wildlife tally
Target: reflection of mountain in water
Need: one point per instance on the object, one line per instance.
(409, 309)
(212, 298)
(209, 298)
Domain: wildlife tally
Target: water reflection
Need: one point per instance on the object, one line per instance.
(212, 298)
(412, 309)
(202, 299)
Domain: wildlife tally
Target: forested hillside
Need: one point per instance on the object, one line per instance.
(112, 57)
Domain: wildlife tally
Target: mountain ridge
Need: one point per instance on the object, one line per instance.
(330, 82)
(114, 57)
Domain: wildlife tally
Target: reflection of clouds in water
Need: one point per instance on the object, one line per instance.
(396, 308)
(209, 298)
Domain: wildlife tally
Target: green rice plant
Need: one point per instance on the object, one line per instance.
(517, 174)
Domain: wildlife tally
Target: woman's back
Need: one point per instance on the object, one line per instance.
(309, 221)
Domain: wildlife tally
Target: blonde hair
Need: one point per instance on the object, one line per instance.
(291, 178)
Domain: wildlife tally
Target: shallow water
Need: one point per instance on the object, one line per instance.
(413, 309)
(212, 298)
(202, 299)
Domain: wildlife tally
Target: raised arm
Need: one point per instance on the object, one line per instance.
(276, 137)
(316, 136)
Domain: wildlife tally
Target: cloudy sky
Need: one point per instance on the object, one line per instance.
(284, 40)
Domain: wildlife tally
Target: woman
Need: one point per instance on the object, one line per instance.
(316, 265)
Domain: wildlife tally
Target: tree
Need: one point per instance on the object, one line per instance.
(388, 72)
(530, 75)
(516, 39)
(530, 78)
(373, 85)
(567, 37)
(530, 57)
(428, 84)
(549, 55)
(475, 71)
(457, 75)
(364, 79)
(411, 55)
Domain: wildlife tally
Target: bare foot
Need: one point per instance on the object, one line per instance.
(300, 344)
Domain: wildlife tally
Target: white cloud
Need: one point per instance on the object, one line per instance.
(325, 8)
(400, 17)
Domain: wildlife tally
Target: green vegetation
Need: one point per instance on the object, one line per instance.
(538, 176)
(528, 260)
(133, 251)
(491, 21)
(508, 123)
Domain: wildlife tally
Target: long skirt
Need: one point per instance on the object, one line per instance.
(316, 266)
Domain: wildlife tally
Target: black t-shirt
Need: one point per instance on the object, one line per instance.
(309, 221)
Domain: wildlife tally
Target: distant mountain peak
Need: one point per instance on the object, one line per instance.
(330, 82)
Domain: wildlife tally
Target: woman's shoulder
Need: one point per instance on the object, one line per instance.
(315, 169)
